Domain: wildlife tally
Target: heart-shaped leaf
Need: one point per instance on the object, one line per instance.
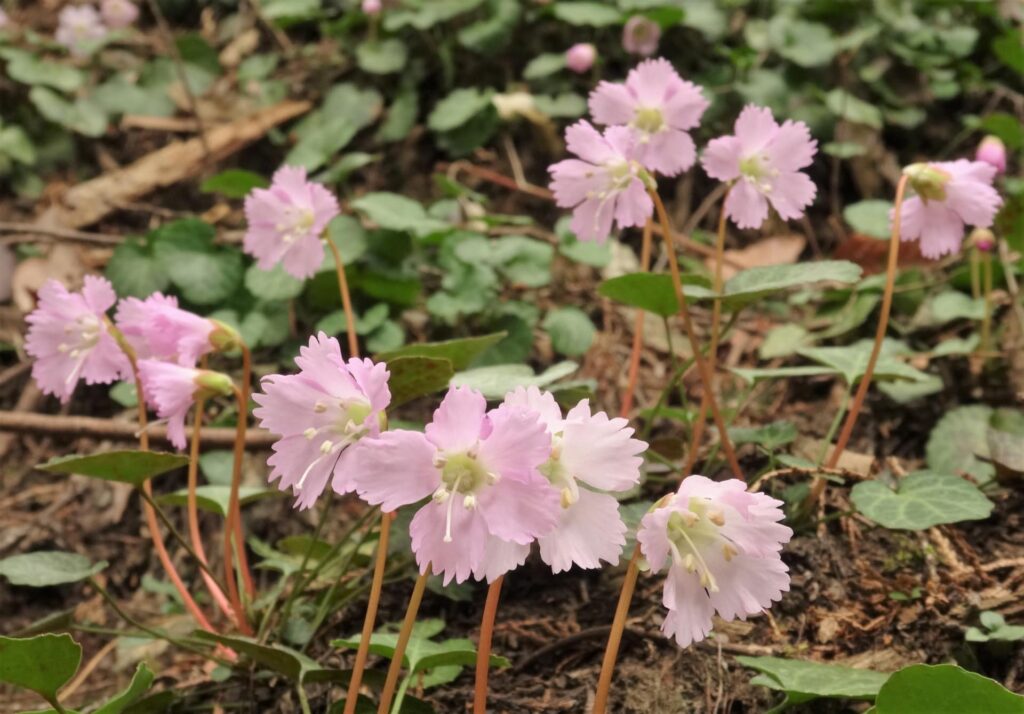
(43, 664)
(923, 499)
(48, 567)
(959, 443)
(132, 467)
(460, 353)
(944, 689)
(806, 680)
(285, 661)
(413, 377)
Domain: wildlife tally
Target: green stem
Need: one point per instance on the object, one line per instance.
(303, 700)
(834, 426)
(986, 286)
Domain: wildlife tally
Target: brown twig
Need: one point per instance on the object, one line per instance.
(31, 231)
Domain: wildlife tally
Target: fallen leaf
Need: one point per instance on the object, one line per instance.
(775, 250)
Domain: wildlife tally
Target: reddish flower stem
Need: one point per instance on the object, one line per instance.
(346, 300)
(638, 329)
(483, 650)
(611, 650)
(395, 667)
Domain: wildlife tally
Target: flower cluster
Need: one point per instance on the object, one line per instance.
(82, 28)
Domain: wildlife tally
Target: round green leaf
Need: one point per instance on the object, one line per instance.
(48, 567)
(814, 679)
(458, 108)
(397, 213)
(382, 56)
(544, 64)
(944, 689)
(570, 329)
(273, 284)
(959, 443)
(43, 664)
(923, 499)
(869, 217)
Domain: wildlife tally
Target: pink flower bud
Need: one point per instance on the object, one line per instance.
(372, 7)
(119, 13)
(983, 239)
(640, 36)
(992, 151)
(580, 57)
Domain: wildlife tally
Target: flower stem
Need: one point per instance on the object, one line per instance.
(638, 328)
(716, 319)
(193, 512)
(232, 526)
(346, 299)
(611, 650)
(371, 614)
(684, 313)
(818, 487)
(403, 640)
(483, 651)
(986, 287)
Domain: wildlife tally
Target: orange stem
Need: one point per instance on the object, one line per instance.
(371, 614)
(638, 329)
(233, 540)
(611, 650)
(403, 640)
(346, 300)
(698, 358)
(483, 651)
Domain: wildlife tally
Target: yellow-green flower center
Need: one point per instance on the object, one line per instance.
(649, 120)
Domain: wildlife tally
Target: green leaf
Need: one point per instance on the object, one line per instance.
(460, 353)
(755, 375)
(994, 629)
(382, 56)
(959, 443)
(652, 292)
(808, 44)
(29, 68)
(566, 105)
(400, 117)
(784, 340)
(592, 14)
(544, 64)
(570, 329)
(1006, 127)
(348, 234)
(844, 150)
(142, 680)
(205, 274)
(133, 467)
(285, 661)
(944, 689)
(83, 115)
(345, 111)
(398, 213)
(134, 271)
(752, 283)
(455, 110)
(273, 284)
(414, 376)
(852, 360)
(770, 436)
(214, 498)
(491, 34)
(234, 183)
(390, 335)
(43, 664)
(846, 106)
(44, 568)
(427, 14)
(870, 217)
(923, 499)
(496, 381)
(522, 260)
(1005, 438)
(336, 323)
(947, 306)
(121, 95)
(1007, 48)
(814, 679)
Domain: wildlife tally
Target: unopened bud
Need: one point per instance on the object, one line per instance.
(580, 57)
(992, 151)
(928, 181)
(983, 239)
(224, 337)
(213, 384)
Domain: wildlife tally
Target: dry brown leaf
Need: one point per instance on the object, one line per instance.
(63, 263)
(774, 250)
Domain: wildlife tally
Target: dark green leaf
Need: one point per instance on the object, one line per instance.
(142, 680)
(413, 377)
(652, 292)
(233, 183)
(460, 353)
(43, 664)
(133, 467)
(944, 689)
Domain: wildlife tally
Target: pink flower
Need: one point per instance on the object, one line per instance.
(372, 7)
(722, 544)
(606, 183)
(156, 327)
(286, 222)
(488, 501)
(992, 151)
(172, 390)
(597, 452)
(4, 19)
(80, 29)
(119, 13)
(640, 36)
(318, 413)
(69, 338)
(580, 57)
(764, 160)
(659, 106)
(949, 195)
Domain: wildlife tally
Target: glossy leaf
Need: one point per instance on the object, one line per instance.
(460, 352)
(416, 376)
(652, 292)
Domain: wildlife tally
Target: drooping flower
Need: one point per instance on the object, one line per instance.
(119, 13)
(992, 151)
(319, 413)
(763, 160)
(286, 222)
(591, 455)
(660, 106)
(80, 29)
(156, 327)
(580, 57)
(606, 183)
(722, 545)
(69, 338)
(950, 194)
(488, 501)
(640, 36)
(172, 390)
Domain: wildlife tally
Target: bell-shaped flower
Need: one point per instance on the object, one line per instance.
(157, 328)
(590, 456)
(319, 413)
(722, 546)
(660, 106)
(286, 222)
(70, 339)
(80, 29)
(640, 36)
(605, 183)
(487, 500)
(763, 160)
(119, 13)
(172, 389)
(950, 194)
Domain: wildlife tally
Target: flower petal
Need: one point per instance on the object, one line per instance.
(458, 422)
(746, 206)
(600, 451)
(721, 159)
(612, 104)
(588, 531)
(394, 469)
(519, 508)
(458, 558)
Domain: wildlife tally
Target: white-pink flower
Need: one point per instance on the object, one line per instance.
(950, 194)
(487, 499)
(171, 390)
(722, 545)
(69, 338)
(80, 29)
(605, 184)
(5, 20)
(763, 160)
(640, 36)
(372, 7)
(157, 328)
(660, 106)
(319, 413)
(591, 455)
(286, 222)
(119, 13)
(580, 57)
